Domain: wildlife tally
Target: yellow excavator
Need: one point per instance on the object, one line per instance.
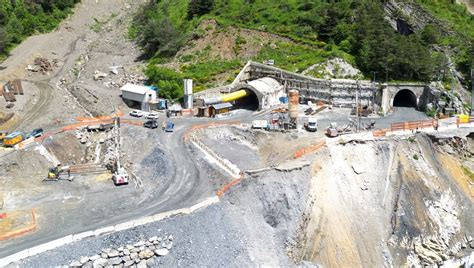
(54, 173)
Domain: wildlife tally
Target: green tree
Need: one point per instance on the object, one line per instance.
(3, 41)
(199, 7)
(430, 35)
(166, 80)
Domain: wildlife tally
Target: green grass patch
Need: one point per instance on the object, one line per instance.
(468, 172)
(293, 57)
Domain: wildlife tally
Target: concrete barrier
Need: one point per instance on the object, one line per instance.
(82, 235)
(105, 230)
(14, 258)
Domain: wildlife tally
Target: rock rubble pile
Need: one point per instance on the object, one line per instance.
(141, 254)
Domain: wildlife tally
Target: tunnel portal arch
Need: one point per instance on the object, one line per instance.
(263, 93)
(405, 98)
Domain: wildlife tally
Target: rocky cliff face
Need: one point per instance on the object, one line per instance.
(404, 203)
(409, 17)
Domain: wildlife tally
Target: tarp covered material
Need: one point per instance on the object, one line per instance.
(221, 105)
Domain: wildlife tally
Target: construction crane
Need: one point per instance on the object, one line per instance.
(120, 176)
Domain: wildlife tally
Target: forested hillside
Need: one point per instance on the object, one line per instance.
(22, 18)
(354, 30)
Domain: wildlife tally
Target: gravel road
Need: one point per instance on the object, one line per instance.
(206, 238)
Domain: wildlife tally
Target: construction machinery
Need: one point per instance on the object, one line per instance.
(333, 130)
(13, 139)
(3, 134)
(120, 176)
(54, 173)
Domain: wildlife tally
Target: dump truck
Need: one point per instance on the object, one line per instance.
(13, 139)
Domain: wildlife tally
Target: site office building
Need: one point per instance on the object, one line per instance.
(142, 95)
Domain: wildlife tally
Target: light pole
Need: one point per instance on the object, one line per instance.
(374, 72)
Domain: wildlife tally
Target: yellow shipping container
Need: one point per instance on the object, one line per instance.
(13, 139)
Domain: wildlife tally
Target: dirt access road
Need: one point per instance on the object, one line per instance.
(73, 38)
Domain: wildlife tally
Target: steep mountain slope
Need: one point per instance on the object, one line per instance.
(360, 32)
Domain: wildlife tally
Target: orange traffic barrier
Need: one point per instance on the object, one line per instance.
(22, 231)
(309, 149)
(227, 187)
(413, 125)
(100, 118)
(380, 132)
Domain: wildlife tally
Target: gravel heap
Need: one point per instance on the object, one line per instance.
(141, 254)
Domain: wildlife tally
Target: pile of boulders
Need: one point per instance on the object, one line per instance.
(126, 78)
(42, 65)
(141, 254)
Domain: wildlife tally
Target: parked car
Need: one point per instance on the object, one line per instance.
(169, 127)
(136, 113)
(35, 133)
(151, 124)
(152, 115)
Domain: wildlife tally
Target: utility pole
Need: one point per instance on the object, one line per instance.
(357, 106)
(374, 72)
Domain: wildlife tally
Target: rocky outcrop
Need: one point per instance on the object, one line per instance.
(334, 68)
(140, 254)
(408, 17)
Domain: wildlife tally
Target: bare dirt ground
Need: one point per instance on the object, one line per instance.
(370, 204)
(377, 204)
(96, 31)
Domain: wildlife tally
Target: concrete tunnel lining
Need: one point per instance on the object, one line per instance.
(265, 90)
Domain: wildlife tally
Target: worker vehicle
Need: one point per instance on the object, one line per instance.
(169, 127)
(3, 134)
(120, 176)
(152, 115)
(35, 133)
(54, 173)
(260, 124)
(312, 124)
(136, 113)
(333, 130)
(13, 139)
(151, 124)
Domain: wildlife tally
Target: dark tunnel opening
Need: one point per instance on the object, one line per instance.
(249, 102)
(405, 98)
